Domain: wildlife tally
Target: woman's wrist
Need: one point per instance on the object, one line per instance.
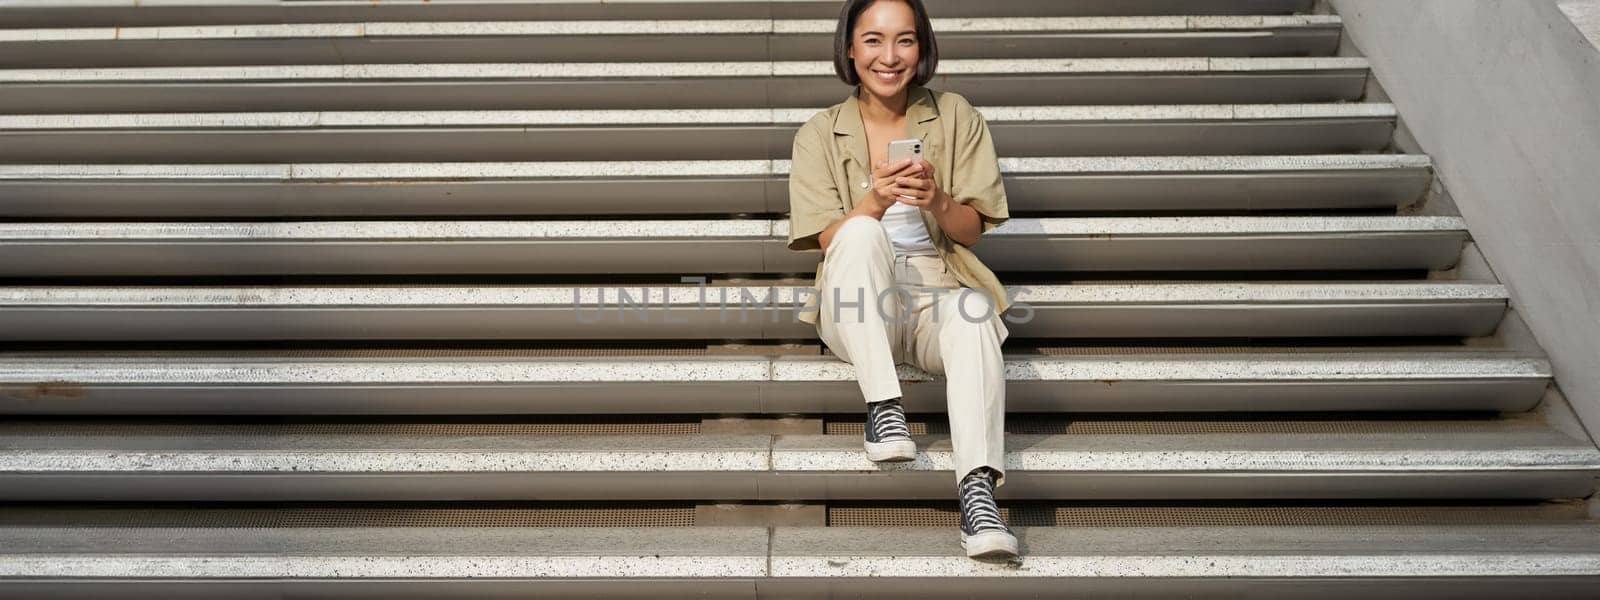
(942, 206)
(868, 206)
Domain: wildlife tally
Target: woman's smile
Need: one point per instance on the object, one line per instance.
(889, 76)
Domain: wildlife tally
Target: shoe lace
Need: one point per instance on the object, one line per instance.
(977, 504)
(887, 419)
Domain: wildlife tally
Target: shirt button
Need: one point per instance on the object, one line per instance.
(863, 185)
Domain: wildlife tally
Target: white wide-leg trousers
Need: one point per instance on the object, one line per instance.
(878, 309)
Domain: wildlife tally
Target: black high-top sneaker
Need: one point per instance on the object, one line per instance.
(983, 532)
(888, 439)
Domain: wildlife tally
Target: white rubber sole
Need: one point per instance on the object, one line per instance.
(990, 545)
(891, 451)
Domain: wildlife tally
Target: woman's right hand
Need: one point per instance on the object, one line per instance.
(878, 199)
(882, 195)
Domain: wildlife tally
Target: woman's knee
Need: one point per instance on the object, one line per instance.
(859, 229)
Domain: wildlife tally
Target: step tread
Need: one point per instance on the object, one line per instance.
(1183, 541)
(659, 311)
(386, 29)
(323, 10)
(1278, 550)
(636, 70)
(220, 368)
(660, 230)
(690, 169)
(781, 295)
(92, 383)
(644, 543)
(1512, 445)
(322, 120)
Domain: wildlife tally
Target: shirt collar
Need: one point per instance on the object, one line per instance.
(920, 109)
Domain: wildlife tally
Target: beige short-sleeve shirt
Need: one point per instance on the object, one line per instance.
(830, 171)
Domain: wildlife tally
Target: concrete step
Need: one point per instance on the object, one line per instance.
(659, 40)
(617, 85)
(1438, 561)
(644, 311)
(230, 383)
(1524, 457)
(123, 13)
(712, 134)
(705, 246)
(890, 515)
(1122, 183)
(1290, 562)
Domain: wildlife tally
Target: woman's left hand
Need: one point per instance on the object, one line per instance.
(920, 191)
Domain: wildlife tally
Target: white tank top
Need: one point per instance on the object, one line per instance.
(907, 232)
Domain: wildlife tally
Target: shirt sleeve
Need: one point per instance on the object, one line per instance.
(813, 196)
(976, 179)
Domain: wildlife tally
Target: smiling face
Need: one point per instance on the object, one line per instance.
(884, 49)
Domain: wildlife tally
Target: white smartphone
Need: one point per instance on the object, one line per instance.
(903, 149)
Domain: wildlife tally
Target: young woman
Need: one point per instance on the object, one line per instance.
(898, 280)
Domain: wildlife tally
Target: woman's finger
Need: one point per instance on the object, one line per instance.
(899, 166)
(907, 168)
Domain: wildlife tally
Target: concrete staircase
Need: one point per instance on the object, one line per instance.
(303, 297)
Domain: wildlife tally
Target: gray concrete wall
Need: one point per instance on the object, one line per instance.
(1505, 95)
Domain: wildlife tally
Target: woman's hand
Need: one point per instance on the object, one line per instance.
(920, 189)
(875, 201)
(885, 178)
(959, 221)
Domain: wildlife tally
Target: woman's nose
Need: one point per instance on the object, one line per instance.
(889, 58)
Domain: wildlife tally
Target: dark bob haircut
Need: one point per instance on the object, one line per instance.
(928, 49)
